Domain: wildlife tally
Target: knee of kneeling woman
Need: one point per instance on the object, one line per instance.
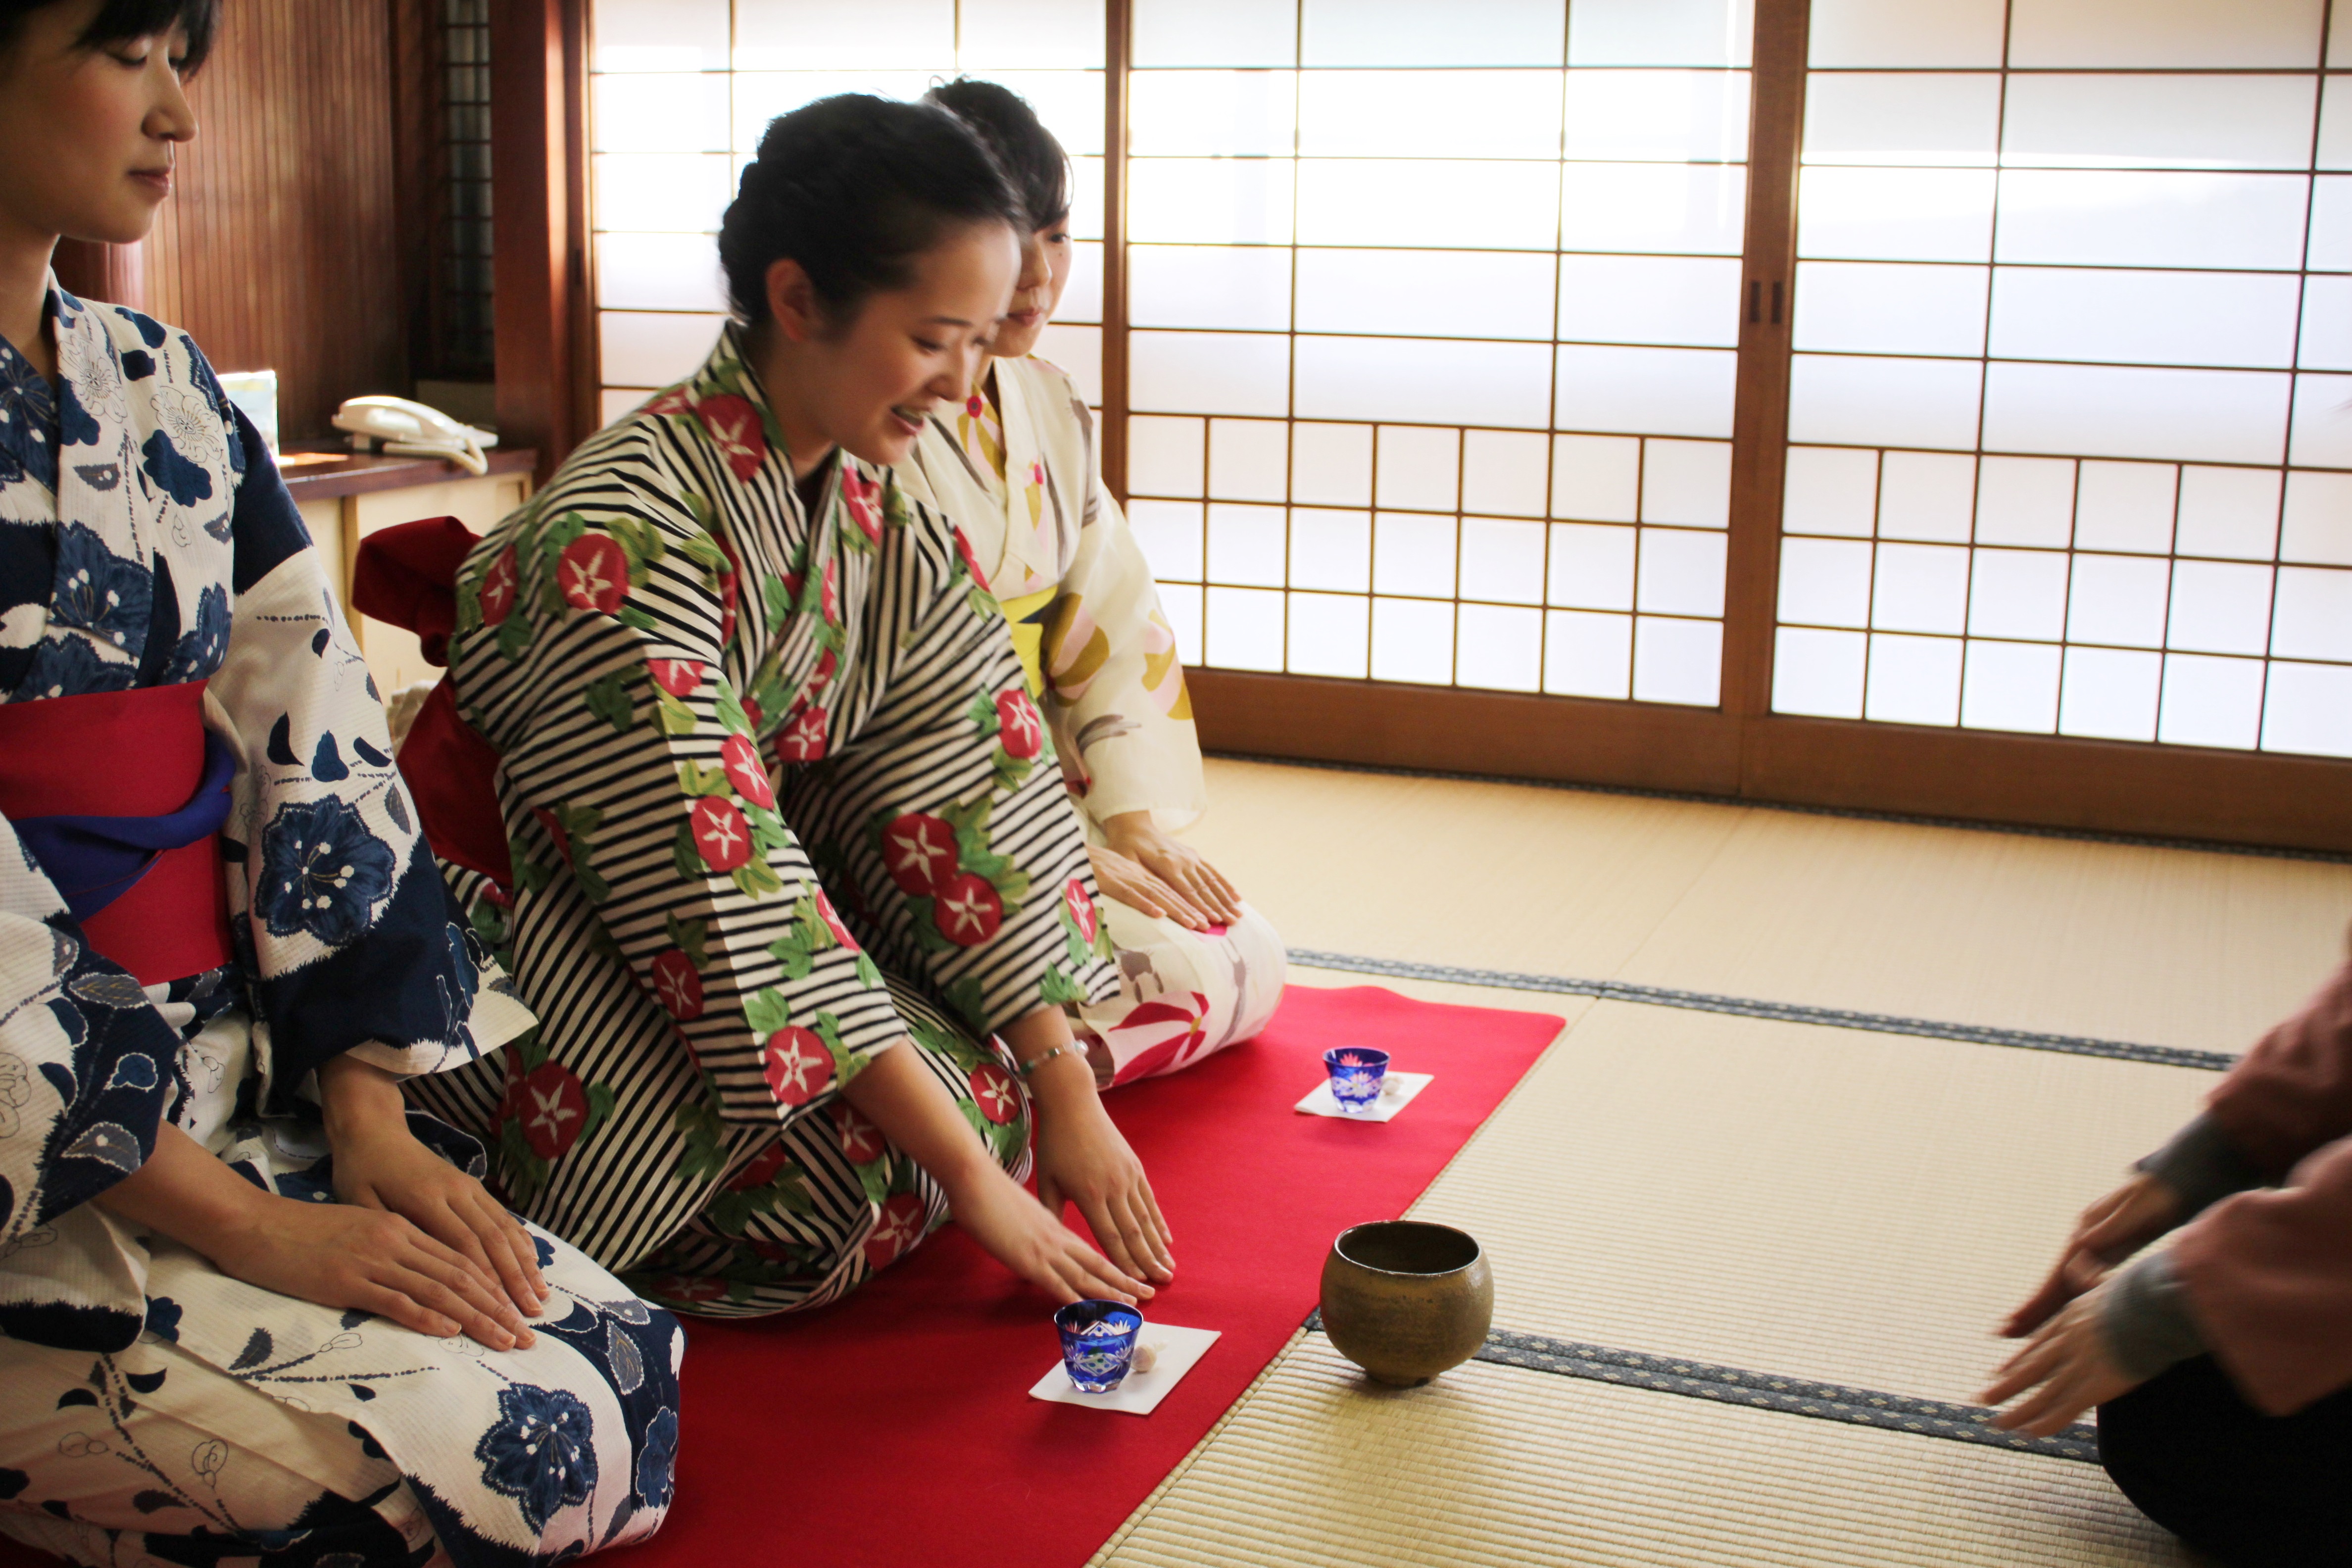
(1263, 970)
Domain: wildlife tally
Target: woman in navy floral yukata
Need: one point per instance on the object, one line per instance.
(237, 1322)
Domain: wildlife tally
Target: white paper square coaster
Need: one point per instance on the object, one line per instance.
(1140, 1393)
(1406, 1085)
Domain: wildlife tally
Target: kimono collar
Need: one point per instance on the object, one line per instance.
(1029, 541)
(729, 398)
(28, 415)
(109, 514)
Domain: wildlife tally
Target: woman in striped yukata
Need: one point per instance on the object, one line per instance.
(781, 858)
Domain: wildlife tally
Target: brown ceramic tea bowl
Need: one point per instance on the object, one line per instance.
(1405, 1300)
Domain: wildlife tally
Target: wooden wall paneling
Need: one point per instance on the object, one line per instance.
(1760, 402)
(279, 249)
(90, 269)
(1118, 39)
(418, 167)
(535, 164)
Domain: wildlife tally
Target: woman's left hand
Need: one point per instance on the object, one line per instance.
(379, 1165)
(1083, 1158)
(2067, 1365)
(1134, 835)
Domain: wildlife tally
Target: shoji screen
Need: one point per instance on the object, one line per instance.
(681, 90)
(2068, 431)
(1432, 314)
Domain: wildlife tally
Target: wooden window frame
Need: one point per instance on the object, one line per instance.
(1739, 749)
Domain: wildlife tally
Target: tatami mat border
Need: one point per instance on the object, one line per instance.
(1781, 1012)
(1790, 1395)
(2028, 830)
(1768, 1391)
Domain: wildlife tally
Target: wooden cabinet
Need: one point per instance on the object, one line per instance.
(343, 498)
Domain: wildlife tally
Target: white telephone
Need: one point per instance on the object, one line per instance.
(412, 430)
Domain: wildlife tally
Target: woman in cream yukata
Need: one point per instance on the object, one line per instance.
(236, 1324)
(1017, 469)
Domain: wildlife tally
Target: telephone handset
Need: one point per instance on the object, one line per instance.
(412, 430)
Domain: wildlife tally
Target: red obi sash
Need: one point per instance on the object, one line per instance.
(407, 576)
(120, 797)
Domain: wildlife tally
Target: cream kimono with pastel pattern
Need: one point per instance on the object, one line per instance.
(1016, 469)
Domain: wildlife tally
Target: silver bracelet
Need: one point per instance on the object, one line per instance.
(1025, 1069)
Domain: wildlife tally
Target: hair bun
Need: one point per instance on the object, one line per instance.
(854, 187)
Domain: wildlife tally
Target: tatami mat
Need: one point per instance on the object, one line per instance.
(1796, 1199)
(2157, 945)
(1856, 1208)
(1318, 1468)
(2166, 947)
(1489, 876)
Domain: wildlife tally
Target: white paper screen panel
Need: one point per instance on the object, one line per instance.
(2064, 289)
(1452, 291)
(680, 92)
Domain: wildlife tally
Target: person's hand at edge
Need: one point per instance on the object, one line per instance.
(2107, 1233)
(2067, 1365)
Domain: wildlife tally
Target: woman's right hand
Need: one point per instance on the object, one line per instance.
(913, 1109)
(1132, 883)
(2109, 1231)
(340, 1255)
(1014, 1228)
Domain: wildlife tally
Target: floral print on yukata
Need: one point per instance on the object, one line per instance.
(777, 799)
(145, 540)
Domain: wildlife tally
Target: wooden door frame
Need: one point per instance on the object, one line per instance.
(1739, 750)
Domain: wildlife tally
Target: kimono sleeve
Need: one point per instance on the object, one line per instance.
(2268, 1275)
(342, 920)
(86, 1066)
(944, 821)
(1114, 687)
(589, 653)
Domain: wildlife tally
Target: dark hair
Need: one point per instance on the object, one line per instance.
(855, 189)
(1040, 170)
(120, 19)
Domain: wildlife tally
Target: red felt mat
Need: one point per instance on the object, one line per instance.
(896, 1429)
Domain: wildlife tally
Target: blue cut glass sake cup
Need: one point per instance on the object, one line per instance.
(1357, 1074)
(1097, 1343)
